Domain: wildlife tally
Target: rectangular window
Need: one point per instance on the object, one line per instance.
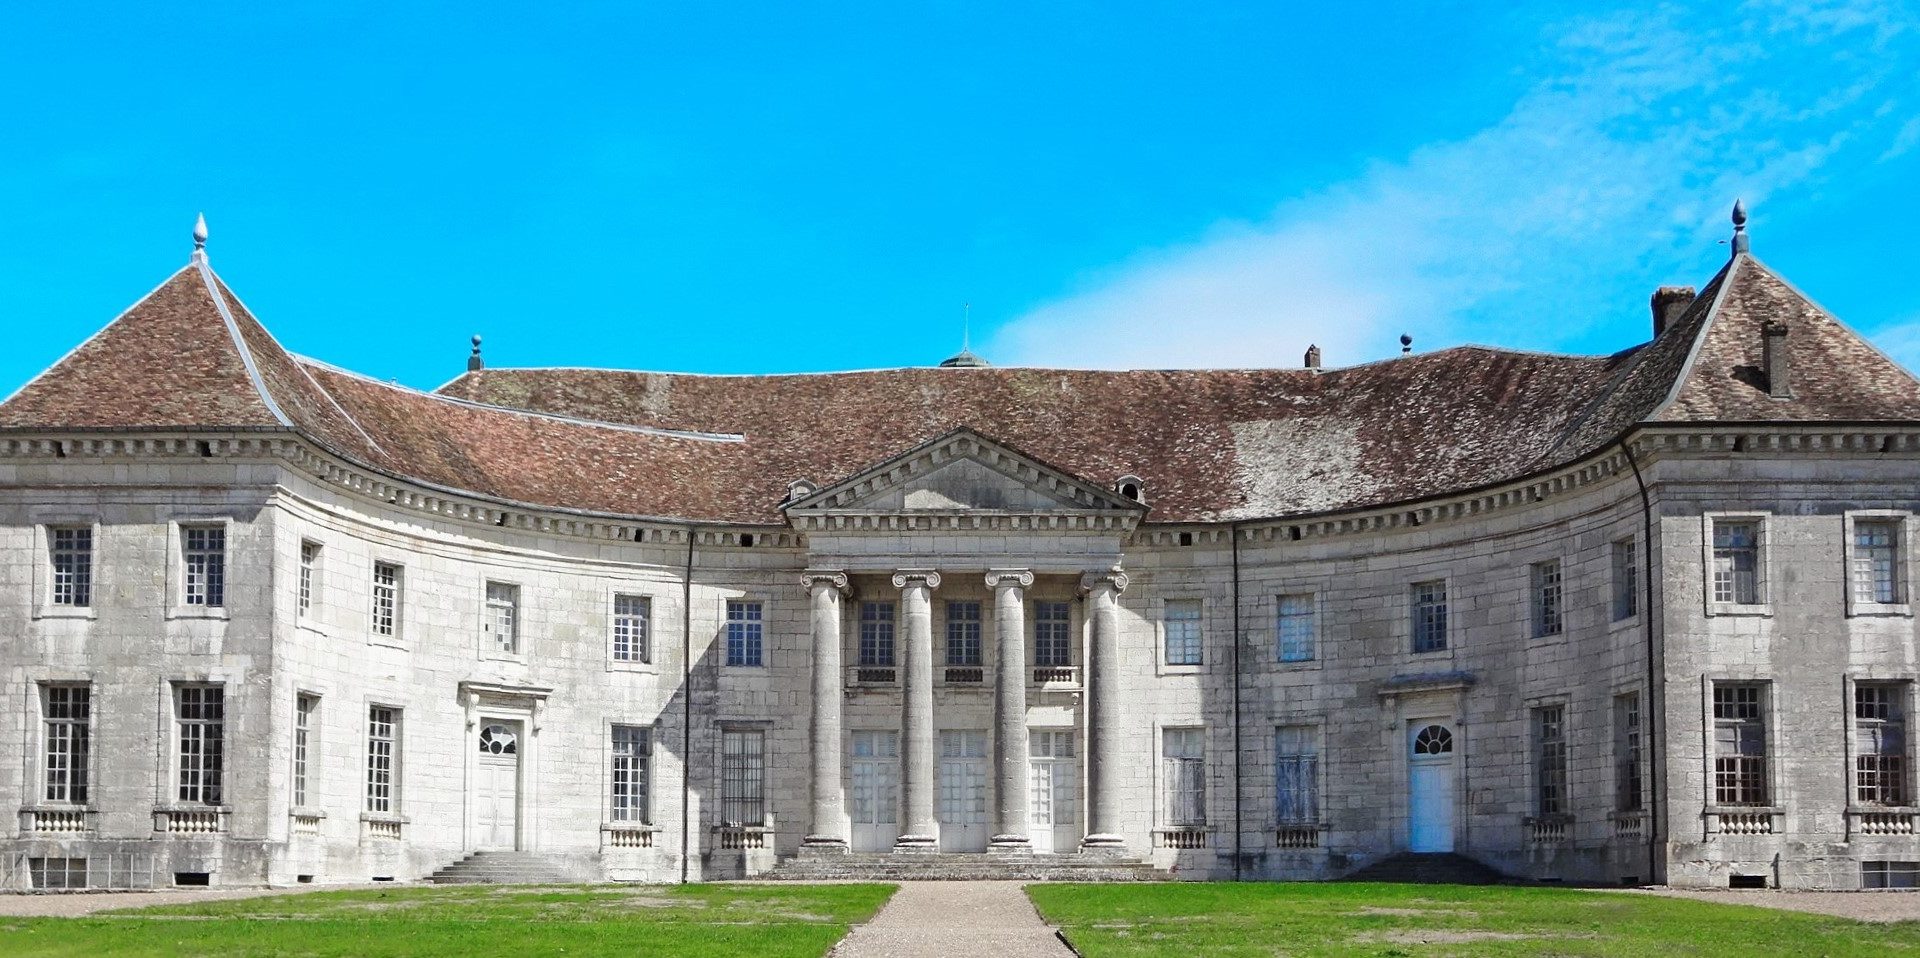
(963, 633)
(1430, 616)
(1546, 598)
(1740, 745)
(303, 709)
(630, 754)
(743, 777)
(71, 552)
(1876, 874)
(200, 717)
(744, 641)
(388, 580)
(57, 874)
(1626, 581)
(1183, 753)
(383, 759)
(632, 616)
(1550, 760)
(1736, 561)
(1876, 561)
(502, 621)
(309, 565)
(1181, 621)
(876, 635)
(1880, 743)
(1052, 634)
(67, 713)
(1628, 786)
(1294, 627)
(1296, 770)
(203, 552)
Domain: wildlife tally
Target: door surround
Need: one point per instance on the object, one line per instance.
(526, 704)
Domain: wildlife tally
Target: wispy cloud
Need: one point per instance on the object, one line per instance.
(1640, 130)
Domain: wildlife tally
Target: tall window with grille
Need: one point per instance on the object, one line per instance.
(1547, 594)
(383, 760)
(1629, 789)
(1180, 620)
(1296, 775)
(632, 628)
(876, 635)
(1550, 760)
(1183, 754)
(745, 645)
(1736, 561)
(963, 633)
(388, 582)
(203, 554)
(66, 739)
(200, 727)
(1430, 616)
(1294, 627)
(304, 707)
(70, 550)
(1880, 744)
(743, 782)
(1626, 581)
(309, 572)
(1052, 634)
(631, 749)
(1876, 561)
(502, 619)
(1740, 744)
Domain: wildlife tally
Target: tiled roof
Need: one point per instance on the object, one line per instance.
(1211, 445)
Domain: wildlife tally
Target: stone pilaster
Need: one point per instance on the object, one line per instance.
(830, 829)
(1105, 752)
(919, 830)
(1011, 760)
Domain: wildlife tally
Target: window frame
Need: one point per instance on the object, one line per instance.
(1412, 618)
(179, 766)
(1173, 798)
(1629, 751)
(1066, 639)
(305, 752)
(78, 772)
(1901, 689)
(397, 634)
(1547, 599)
(648, 647)
(727, 777)
(1312, 616)
(177, 605)
(954, 629)
(1902, 570)
(490, 608)
(1316, 780)
(395, 761)
(1550, 795)
(1630, 546)
(308, 583)
(1769, 743)
(44, 525)
(1163, 634)
(758, 621)
(617, 812)
(1763, 564)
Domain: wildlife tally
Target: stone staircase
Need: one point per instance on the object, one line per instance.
(861, 866)
(500, 868)
(1444, 868)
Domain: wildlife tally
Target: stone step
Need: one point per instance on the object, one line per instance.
(1422, 868)
(500, 868)
(962, 867)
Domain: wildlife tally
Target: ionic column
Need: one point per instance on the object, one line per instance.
(1010, 709)
(1105, 754)
(919, 830)
(830, 829)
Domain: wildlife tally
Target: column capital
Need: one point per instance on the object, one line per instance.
(1110, 578)
(814, 578)
(927, 577)
(1009, 578)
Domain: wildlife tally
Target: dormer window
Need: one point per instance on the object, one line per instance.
(800, 489)
(1131, 487)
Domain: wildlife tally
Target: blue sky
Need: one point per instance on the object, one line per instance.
(762, 188)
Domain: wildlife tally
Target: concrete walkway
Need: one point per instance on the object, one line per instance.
(940, 919)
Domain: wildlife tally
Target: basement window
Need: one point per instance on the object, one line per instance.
(1746, 881)
(193, 878)
(1883, 874)
(57, 874)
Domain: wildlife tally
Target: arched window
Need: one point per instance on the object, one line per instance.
(498, 740)
(1433, 740)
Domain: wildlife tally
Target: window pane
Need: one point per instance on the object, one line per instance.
(71, 551)
(382, 755)
(743, 633)
(1294, 628)
(1546, 598)
(1736, 562)
(1626, 581)
(67, 714)
(742, 783)
(1182, 624)
(1876, 561)
(876, 634)
(1429, 616)
(200, 720)
(632, 615)
(1052, 634)
(963, 633)
(204, 551)
(386, 598)
(630, 783)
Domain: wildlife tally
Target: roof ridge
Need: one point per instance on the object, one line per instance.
(239, 342)
(1726, 278)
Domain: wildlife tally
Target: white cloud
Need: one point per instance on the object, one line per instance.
(1640, 130)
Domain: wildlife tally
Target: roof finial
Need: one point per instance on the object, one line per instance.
(966, 327)
(1406, 344)
(200, 237)
(474, 362)
(1740, 242)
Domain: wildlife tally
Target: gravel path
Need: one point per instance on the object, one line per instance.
(938, 919)
(86, 903)
(1858, 905)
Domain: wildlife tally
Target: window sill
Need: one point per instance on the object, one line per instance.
(513, 659)
(307, 625)
(641, 668)
(1296, 665)
(1867, 610)
(1621, 625)
(82, 612)
(742, 667)
(1193, 668)
(387, 642)
(1550, 638)
(1734, 610)
(387, 818)
(216, 613)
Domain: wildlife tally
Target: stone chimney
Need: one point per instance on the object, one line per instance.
(1669, 302)
(1776, 361)
(1313, 357)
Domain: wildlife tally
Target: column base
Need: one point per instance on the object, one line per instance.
(823, 846)
(1103, 845)
(916, 845)
(1010, 845)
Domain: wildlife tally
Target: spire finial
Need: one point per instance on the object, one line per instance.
(966, 327)
(1406, 344)
(200, 237)
(474, 362)
(1740, 242)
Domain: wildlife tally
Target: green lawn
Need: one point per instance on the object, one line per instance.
(685, 921)
(1310, 920)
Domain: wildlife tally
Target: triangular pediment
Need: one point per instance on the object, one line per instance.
(963, 471)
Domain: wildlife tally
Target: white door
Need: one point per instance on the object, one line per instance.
(1051, 784)
(876, 790)
(496, 784)
(1430, 787)
(963, 791)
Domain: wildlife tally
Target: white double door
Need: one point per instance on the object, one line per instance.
(963, 791)
(876, 790)
(1052, 813)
